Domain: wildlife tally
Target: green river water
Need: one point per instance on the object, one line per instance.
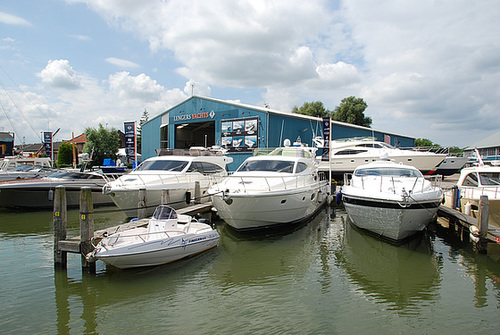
(324, 277)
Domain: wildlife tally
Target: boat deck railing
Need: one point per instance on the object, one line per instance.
(170, 179)
(275, 183)
(149, 236)
(476, 192)
(389, 182)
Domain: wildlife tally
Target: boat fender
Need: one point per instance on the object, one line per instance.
(188, 198)
(338, 197)
(468, 208)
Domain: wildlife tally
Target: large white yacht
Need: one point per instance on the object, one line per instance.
(176, 173)
(281, 188)
(347, 154)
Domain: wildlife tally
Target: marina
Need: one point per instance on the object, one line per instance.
(322, 277)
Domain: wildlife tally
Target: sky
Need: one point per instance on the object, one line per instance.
(426, 69)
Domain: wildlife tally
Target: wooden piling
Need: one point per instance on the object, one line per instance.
(86, 228)
(141, 205)
(60, 221)
(454, 197)
(482, 222)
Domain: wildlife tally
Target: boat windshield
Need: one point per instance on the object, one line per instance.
(267, 165)
(164, 213)
(489, 178)
(23, 168)
(162, 165)
(395, 172)
(73, 175)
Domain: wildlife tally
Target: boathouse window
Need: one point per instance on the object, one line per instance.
(161, 165)
(267, 165)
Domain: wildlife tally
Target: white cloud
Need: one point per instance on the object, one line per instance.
(141, 87)
(434, 63)
(14, 20)
(58, 73)
(122, 63)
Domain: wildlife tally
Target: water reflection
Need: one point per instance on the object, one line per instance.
(267, 258)
(402, 276)
(88, 296)
(483, 269)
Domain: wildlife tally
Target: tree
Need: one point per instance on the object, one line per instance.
(314, 108)
(104, 143)
(351, 110)
(65, 155)
(142, 121)
(424, 142)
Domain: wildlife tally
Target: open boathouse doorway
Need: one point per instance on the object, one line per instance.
(200, 134)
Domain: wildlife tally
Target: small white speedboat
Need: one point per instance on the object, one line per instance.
(168, 237)
(391, 200)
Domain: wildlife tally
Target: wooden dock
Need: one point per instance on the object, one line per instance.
(480, 232)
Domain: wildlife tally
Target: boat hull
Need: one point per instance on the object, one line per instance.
(389, 219)
(341, 165)
(258, 210)
(43, 197)
(127, 200)
(158, 251)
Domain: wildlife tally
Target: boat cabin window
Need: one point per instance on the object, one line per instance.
(23, 168)
(205, 168)
(301, 167)
(396, 172)
(164, 213)
(267, 165)
(162, 165)
(489, 178)
(73, 175)
(350, 152)
(374, 145)
(470, 180)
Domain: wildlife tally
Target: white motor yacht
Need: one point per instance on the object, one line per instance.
(9, 162)
(176, 174)
(38, 193)
(280, 188)
(348, 154)
(168, 237)
(25, 171)
(391, 200)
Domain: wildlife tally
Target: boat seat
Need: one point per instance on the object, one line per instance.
(183, 219)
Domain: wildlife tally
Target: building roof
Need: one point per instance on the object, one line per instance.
(79, 139)
(5, 136)
(273, 111)
(489, 142)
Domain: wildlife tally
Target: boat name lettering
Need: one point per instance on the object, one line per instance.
(197, 239)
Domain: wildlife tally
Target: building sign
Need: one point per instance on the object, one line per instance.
(326, 139)
(240, 135)
(194, 116)
(130, 140)
(47, 139)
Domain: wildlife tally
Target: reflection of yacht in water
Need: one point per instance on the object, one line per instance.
(399, 275)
